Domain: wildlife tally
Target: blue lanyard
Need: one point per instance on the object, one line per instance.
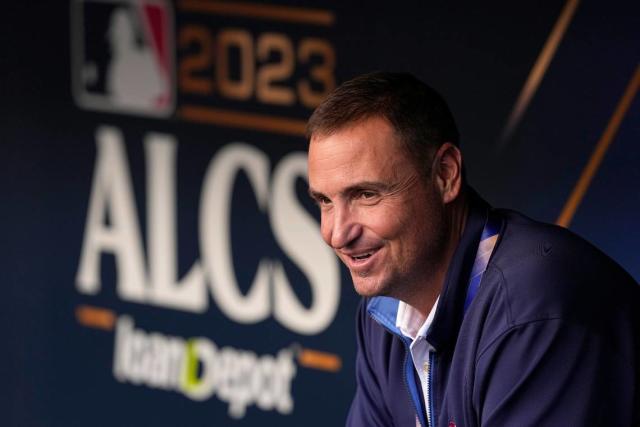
(485, 249)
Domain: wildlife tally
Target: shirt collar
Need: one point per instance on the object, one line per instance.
(411, 322)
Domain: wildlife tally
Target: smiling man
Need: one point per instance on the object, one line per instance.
(471, 316)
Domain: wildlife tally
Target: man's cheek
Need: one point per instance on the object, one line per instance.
(386, 224)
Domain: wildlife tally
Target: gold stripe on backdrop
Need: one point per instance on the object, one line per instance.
(238, 119)
(315, 359)
(301, 15)
(95, 317)
(603, 144)
(538, 71)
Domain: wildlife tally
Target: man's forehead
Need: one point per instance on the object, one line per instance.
(355, 146)
(371, 135)
(366, 152)
(366, 122)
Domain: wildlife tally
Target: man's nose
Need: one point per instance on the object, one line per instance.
(343, 228)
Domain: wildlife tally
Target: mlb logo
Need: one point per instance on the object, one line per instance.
(122, 56)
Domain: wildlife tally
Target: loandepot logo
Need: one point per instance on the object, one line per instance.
(197, 368)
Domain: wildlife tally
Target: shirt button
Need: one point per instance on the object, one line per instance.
(425, 367)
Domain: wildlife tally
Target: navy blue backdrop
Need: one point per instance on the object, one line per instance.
(160, 258)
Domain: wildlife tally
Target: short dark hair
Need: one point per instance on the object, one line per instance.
(417, 112)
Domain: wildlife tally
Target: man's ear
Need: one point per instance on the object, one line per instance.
(447, 171)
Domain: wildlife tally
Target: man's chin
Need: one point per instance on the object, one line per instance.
(369, 286)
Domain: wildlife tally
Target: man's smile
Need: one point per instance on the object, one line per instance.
(359, 261)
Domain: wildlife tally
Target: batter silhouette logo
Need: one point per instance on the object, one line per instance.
(122, 56)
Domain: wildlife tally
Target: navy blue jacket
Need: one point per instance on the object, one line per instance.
(552, 338)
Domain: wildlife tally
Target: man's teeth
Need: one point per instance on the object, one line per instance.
(367, 255)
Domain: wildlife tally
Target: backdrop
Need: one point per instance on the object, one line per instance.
(161, 262)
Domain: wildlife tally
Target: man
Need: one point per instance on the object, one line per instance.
(471, 316)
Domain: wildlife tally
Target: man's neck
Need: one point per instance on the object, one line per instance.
(424, 298)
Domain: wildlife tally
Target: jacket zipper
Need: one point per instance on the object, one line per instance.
(406, 381)
(430, 409)
(428, 389)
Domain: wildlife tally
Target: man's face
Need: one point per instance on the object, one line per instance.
(378, 212)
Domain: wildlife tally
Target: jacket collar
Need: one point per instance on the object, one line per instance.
(448, 317)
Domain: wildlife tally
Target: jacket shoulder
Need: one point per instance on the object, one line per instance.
(546, 272)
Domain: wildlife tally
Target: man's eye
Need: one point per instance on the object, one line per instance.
(323, 201)
(367, 195)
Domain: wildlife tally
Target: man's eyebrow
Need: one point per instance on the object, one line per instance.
(369, 185)
(363, 185)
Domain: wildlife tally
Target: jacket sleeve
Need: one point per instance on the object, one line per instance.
(368, 408)
(552, 373)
